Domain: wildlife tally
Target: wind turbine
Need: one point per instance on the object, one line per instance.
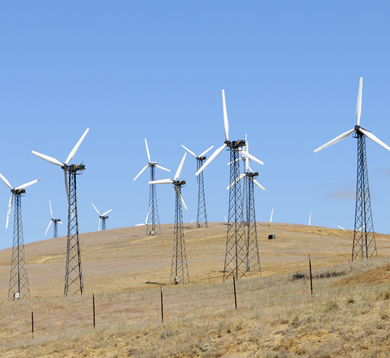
(202, 213)
(179, 267)
(236, 244)
(153, 225)
(55, 221)
(102, 218)
(364, 245)
(18, 282)
(73, 272)
(252, 249)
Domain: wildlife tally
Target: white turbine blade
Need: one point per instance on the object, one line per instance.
(147, 216)
(160, 167)
(337, 139)
(9, 210)
(206, 151)
(211, 158)
(161, 181)
(143, 169)
(177, 175)
(66, 184)
(250, 156)
(272, 213)
(374, 139)
(236, 181)
(225, 116)
(359, 102)
(76, 147)
(258, 184)
(100, 219)
(47, 158)
(96, 209)
(24, 186)
(147, 150)
(59, 222)
(310, 219)
(192, 153)
(340, 227)
(6, 182)
(48, 227)
(235, 160)
(140, 225)
(51, 212)
(180, 197)
(106, 212)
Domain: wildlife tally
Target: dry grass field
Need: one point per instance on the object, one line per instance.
(347, 316)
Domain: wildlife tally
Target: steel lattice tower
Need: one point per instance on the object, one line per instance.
(236, 243)
(73, 272)
(18, 282)
(202, 213)
(179, 267)
(253, 254)
(364, 245)
(153, 223)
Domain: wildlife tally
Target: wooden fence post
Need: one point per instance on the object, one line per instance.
(162, 305)
(235, 294)
(32, 324)
(93, 305)
(311, 277)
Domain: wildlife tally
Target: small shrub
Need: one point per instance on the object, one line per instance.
(298, 276)
(350, 300)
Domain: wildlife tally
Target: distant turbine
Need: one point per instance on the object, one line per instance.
(102, 218)
(55, 221)
(364, 245)
(18, 282)
(272, 213)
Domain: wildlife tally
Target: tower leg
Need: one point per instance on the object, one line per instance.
(18, 282)
(236, 243)
(73, 273)
(364, 245)
(153, 223)
(179, 267)
(202, 213)
(253, 254)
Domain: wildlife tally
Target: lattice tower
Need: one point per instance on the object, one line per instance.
(202, 213)
(153, 223)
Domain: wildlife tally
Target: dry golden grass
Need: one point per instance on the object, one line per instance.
(347, 316)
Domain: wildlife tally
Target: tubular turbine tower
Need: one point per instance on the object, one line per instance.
(153, 221)
(179, 267)
(364, 245)
(18, 281)
(202, 213)
(73, 272)
(236, 243)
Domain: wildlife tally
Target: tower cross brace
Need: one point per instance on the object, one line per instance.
(364, 245)
(153, 222)
(18, 283)
(73, 272)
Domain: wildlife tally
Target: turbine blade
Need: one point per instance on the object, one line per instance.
(9, 210)
(250, 156)
(51, 212)
(96, 209)
(160, 167)
(180, 197)
(225, 116)
(272, 214)
(374, 139)
(59, 222)
(310, 219)
(340, 227)
(147, 150)
(106, 212)
(211, 158)
(206, 151)
(337, 139)
(49, 159)
(177, 175)
(359, 102)
(143, 169)
(192, 153)
(24, 186)
(48, 228)
(140, 225)
(6, 182)
(258, 184)
(235, 181)
(235, 160)
(161, 181)
(66, 184)
(100, 219)
(147, 216)
(76, 147)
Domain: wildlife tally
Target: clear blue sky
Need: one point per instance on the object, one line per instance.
(130, 70)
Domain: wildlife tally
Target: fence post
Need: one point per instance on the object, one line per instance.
(93, 305)
(311, 277)
(162, 305)
(32, 324)
(235, 294)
